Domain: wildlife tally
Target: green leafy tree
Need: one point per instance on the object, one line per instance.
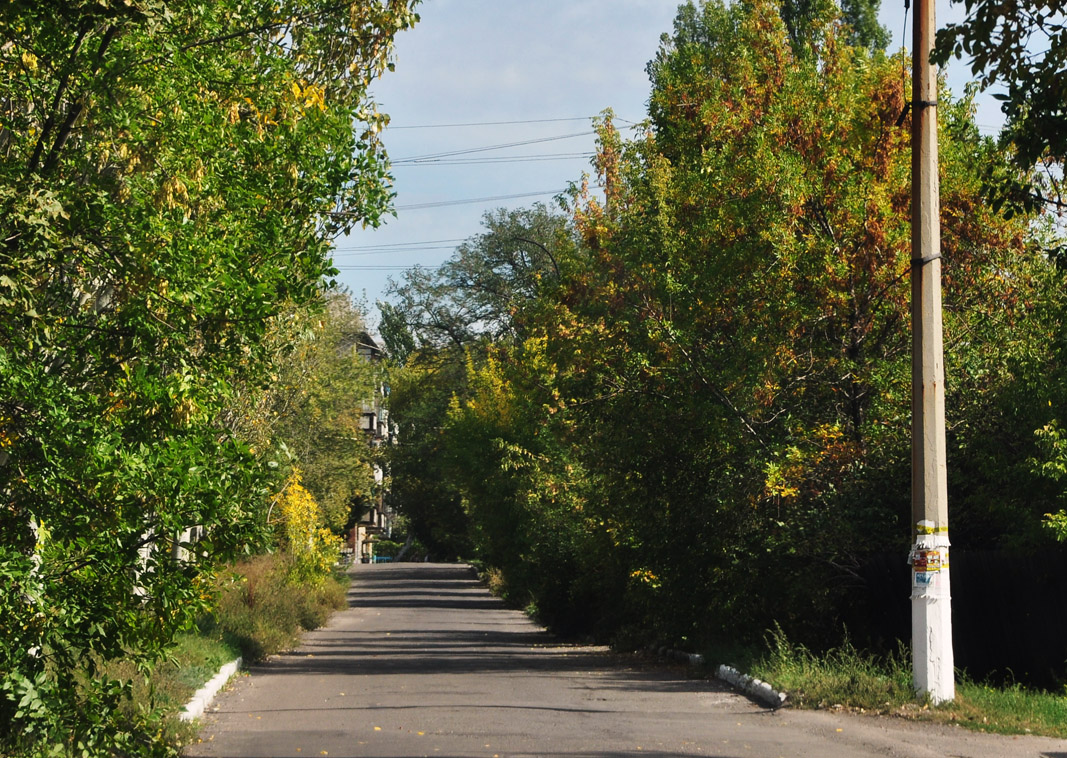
(1020, 45)
(752, 264)
(423, 491)
(478, 292)
(708, 408)
(440, 321)
(310, 409)
(802, 19)
(322, 388)
(171, 177)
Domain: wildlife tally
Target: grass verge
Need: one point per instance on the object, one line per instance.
(261, 611)
(846, 678)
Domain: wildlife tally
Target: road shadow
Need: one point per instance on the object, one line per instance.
(501, 641)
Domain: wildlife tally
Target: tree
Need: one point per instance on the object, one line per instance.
(1021, 45)
(708, 408)
(756, 262)
(171, 177)
(803, 17)
(478, 292)
(312, 407)
(748, 303)
(444, 321)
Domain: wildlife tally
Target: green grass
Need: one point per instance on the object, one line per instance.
(1008, 710)
(193, 661)
(261, 611)
(848, 678)
(843, 676)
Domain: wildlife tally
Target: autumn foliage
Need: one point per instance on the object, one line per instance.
(704, 428)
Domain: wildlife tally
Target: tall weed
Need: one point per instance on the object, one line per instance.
(264, 606)
(843, 675)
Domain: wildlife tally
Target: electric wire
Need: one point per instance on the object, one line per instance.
(472, 200)
(502, 159)
(486, 148)
(403, 244)
(503, 123)
(385, 268)
(394, 251)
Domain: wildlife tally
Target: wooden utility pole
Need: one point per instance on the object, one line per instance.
(931, 612)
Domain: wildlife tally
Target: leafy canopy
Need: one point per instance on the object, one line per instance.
(171, 177)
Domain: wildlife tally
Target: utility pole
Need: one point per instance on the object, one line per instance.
(931, 611)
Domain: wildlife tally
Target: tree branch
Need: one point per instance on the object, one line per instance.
(64, 81)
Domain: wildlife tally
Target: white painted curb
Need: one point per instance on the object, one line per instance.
(754, 688)
(196, 707)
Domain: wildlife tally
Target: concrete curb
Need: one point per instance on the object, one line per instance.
(758, 690)
(754, 688)
(203, 696)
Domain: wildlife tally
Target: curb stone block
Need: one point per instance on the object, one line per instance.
(754, 688)
(203, 696)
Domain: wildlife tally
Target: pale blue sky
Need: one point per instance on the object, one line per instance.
(478, 61)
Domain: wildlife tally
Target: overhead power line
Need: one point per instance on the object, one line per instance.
(452, 153)
(384, 268)
(402, 245)
(493, 123)
(488, 161)
(503, 123)
(394, 251)
(398, 248)
(472, 200)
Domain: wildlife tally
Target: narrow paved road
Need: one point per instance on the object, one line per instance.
(427, 663)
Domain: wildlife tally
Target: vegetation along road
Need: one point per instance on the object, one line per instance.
(426, 662)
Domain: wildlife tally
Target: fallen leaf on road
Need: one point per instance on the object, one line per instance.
(377, 729)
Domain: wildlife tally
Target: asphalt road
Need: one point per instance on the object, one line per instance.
(426, 663)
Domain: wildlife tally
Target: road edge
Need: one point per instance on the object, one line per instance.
(754, 688)
(202, 698)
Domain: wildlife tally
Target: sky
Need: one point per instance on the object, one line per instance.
(477, 74)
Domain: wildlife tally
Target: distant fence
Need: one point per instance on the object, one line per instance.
(1009, 611)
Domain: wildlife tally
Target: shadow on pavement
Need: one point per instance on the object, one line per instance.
(503, 643)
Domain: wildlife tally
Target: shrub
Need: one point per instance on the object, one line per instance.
(264, 605)
(313, 550)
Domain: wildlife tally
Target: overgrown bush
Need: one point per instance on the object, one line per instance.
(263, 607)
(312, 549)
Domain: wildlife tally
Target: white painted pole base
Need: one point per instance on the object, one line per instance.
(931, 619)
